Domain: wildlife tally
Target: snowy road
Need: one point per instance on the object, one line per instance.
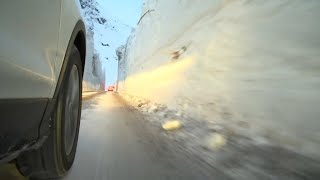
(115, 144)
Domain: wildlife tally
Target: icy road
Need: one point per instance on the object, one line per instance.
(114, 144)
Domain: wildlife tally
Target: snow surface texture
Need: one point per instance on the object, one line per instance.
(224, 149)
(253, 64)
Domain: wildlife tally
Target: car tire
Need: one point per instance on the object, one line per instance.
(55, 157)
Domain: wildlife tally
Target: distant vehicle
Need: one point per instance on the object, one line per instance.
(111, 88)
(42, 57)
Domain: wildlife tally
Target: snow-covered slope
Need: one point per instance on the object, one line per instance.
(252, 64)
(106, 34)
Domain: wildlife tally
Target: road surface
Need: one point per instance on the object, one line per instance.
(116, 144)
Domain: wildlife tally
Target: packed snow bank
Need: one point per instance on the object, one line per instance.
(222, 148)
(232, 62)
(94, 75)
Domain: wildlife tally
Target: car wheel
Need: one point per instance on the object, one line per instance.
(57, 154)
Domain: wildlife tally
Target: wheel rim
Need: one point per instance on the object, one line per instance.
(71, 109)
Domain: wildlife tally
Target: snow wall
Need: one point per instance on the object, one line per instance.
(94, 75)
(245, 63)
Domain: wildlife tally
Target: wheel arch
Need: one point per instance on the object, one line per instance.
(80, 43)
(78, 38)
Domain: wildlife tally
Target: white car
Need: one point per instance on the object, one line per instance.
(42, 57)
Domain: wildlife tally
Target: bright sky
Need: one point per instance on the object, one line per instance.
(126, 11)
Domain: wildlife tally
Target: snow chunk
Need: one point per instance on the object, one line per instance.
(216, 141)
(153, 108)
(172, 125)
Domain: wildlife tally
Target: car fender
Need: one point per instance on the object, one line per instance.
(71, 23)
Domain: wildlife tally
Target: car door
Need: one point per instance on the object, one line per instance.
(29, 31)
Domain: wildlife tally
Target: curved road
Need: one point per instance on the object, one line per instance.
(116, 144)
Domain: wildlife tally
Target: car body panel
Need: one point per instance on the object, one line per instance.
(29, 39)
(19, 125)
(33, 45)
(36, 37)
(70, 16)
